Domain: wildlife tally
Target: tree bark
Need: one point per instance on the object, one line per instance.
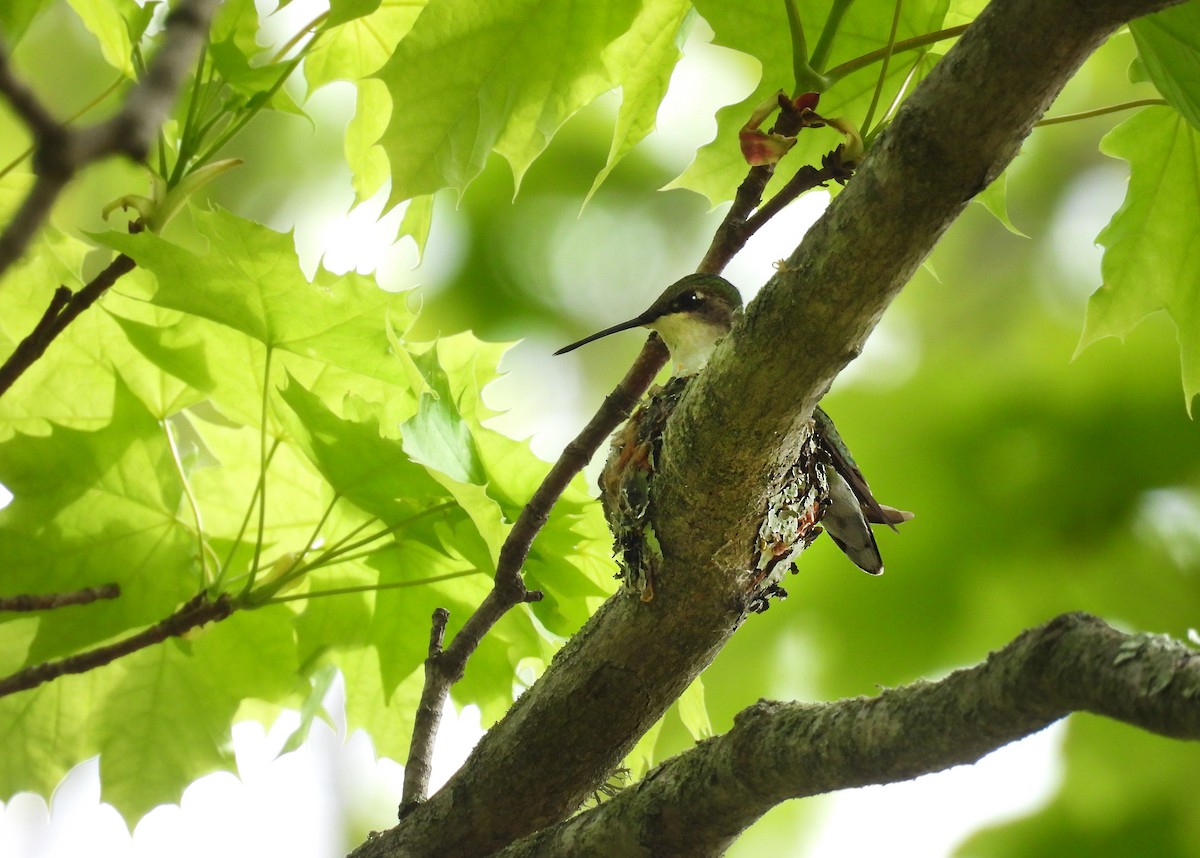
(742, 421)
(699, 801)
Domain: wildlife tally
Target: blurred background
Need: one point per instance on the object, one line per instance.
(1043, 482)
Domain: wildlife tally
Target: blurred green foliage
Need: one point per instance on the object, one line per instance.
(1042, 483)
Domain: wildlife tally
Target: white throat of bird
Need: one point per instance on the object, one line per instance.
(691, 340)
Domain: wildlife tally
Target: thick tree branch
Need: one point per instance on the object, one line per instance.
(698, 802)
(61, 152)
(740, 423)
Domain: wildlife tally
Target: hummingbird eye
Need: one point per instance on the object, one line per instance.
(690, 300)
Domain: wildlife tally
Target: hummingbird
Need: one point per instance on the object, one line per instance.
(695, 313)
(692, 315)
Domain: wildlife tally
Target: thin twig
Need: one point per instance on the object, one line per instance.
(61, 152)
(50, 601)
(447, 666)
(900, 47)
(806, 178)
(64, 308)
(728, 238)
(745, 217)
(368, 588)
(197, 612)
(425, 726)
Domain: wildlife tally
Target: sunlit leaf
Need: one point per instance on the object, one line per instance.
(359, 39)
(92, 508)
(994, 198)
(250, 279)
(1169, 50)
(643, 60)
(473, 77)
(417, 221)
(46, 731)
(106, 21)
(693, 712)
(17, 15)
(182, 695)
(437, 435)
(367, 161)
(1151, 246)
(371, 471)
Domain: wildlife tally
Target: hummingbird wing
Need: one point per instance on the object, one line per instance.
(847, 526)
(843, 463)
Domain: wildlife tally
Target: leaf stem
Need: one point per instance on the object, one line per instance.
(807, 78)
(245, 116)
(202, 544)
(883, 70)
(188, 133)
(902, 46)
(368, 588)
(820, 55)
(337, 553)
(1100, 111)
(262, 473)
(300, 34)
(216, 585)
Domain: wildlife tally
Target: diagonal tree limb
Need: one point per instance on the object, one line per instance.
(445, 667)
(49, 601)
(65, 306)
(61, 152)
(198, 611)
(741, 421)
(24, 101)
(698, 802)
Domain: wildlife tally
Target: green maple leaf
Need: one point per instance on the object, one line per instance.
(1152, 244)
(92, 508)
(472, 77)
(250, 280)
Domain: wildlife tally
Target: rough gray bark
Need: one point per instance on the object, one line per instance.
(740, 424)
(697, 803)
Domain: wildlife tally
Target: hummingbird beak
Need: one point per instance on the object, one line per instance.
(636, 322)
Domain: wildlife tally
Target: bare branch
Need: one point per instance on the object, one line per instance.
(699, 801)
(427, 720)
(444, 668)
(50, 601)
(61, 152)
(198, 611)
(63, 309)
(733, 233)
(148, 104)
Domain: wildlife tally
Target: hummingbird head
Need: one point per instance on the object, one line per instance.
(691, 315)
